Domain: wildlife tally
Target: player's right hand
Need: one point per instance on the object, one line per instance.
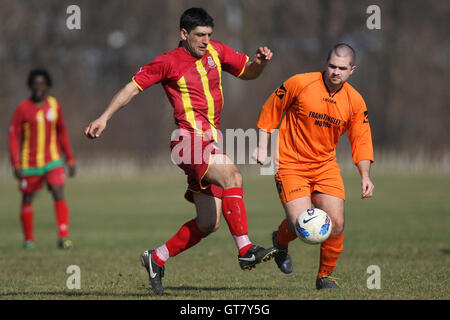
(95, 129)
(260, 155)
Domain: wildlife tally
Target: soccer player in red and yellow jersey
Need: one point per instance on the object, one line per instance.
(192, 79)
(37, 138)
(318, 107)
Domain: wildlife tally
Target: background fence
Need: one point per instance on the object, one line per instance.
(402, 69)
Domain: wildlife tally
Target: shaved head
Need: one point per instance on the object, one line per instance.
(340, 66)
(343, 50)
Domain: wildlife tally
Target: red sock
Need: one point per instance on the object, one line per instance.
(26, 217)
(284, 235)
(188, 236)
(233, 209)
(62, 218)
(330, 250)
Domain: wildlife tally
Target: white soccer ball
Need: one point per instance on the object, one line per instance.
(313, 226)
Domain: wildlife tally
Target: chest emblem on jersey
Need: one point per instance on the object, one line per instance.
(211, 62)
(50, 115)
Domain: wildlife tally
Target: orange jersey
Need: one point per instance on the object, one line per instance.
(314, 120)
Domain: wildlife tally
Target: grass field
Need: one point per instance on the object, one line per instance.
(403, 230)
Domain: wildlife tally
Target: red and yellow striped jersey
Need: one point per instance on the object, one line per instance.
(194, 86)
(36, 136)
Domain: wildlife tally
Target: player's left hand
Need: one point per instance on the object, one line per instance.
(18, 174)
(367, 188)
(263, 55)
(72, 170)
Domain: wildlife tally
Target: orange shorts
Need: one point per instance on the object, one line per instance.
(307, 178)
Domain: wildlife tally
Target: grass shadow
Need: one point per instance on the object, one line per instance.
(96, 293)
(74, 294)
(193, 288)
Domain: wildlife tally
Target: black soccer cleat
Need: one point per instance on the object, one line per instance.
(65, 244)
(327, 282)
(282, 258)
(155, 272)
(255, 255)
(29, 245)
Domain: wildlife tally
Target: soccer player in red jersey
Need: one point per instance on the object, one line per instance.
(192, 79)
(37, 135)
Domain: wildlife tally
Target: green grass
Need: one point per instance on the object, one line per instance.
(403, 230)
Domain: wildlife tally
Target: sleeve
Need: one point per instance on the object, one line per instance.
(152, 73)
(280, 100)
(14, 135)
(232, 61)
(63, 136)
(359, 133)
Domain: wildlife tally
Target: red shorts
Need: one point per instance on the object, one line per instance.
(192, 154)
(302, 181)
(31, 184)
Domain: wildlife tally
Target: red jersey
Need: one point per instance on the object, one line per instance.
(36, 136)
(194, 86)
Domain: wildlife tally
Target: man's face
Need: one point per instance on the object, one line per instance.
(197, 40)
(39, 88)
(338, 69)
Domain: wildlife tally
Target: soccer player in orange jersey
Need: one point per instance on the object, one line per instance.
(37, 135)
(319, 107)
(192, 79)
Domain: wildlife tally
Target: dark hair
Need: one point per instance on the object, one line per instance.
(195, 17)
(343, 50)
(39, 72)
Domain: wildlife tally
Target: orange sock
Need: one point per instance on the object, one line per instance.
(330, 250)
(284, 235)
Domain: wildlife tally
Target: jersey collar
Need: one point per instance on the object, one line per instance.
(186, 53)
(42, 105)
(330, 93)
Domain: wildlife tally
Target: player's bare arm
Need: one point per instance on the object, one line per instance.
(255, 67)
(260, 153)
(121, 99)
(366, 184)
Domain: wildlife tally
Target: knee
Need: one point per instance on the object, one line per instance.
(57, 192)
(208, 227)
(27, 198)
(338, 227)
(234, 180)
